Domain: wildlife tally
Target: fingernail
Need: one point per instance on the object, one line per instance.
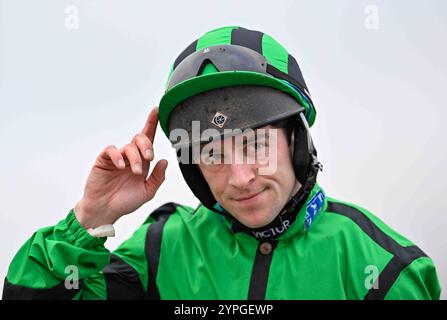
(137, 168)
(121, 163)
(148, 153)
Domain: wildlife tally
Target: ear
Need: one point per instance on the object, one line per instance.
(292, 142)
(196, 181)
(301, 150)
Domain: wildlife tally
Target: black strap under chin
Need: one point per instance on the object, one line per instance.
(279, 225)
(287, 216)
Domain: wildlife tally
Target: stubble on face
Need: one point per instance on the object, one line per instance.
(258, 199)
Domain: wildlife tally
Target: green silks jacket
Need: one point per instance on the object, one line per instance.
(333, 250)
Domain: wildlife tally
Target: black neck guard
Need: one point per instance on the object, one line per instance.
(280, 224)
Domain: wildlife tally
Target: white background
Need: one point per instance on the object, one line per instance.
(380, 96)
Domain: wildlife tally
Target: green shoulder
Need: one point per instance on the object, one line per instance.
(400, 265)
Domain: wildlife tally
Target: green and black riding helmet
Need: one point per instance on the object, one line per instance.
(236, 78)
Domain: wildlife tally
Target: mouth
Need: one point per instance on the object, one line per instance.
(250, 199)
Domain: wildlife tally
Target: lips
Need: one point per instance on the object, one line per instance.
(251, 196)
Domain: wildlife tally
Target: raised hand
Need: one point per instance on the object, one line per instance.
(118, 182)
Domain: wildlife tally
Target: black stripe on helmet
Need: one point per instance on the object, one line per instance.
(294, 72)
(190, 49)
(247, 38)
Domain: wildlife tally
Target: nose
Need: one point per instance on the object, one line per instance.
(241, 175)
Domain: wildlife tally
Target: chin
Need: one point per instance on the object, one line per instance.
(258, 220)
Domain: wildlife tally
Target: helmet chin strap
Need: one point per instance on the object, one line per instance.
(280, 224)
(286, 216)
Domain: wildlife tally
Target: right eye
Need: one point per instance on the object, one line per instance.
(214, 158)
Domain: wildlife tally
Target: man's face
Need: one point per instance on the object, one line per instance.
(254, 198)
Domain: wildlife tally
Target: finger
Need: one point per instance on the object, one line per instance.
(133, 155)
(112, 153)
(151, 124)
(144, 145)
(156, 178)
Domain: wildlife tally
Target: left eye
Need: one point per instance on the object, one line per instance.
(257, 146)
(216, 157)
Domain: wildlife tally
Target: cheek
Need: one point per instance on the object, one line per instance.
(285, 173)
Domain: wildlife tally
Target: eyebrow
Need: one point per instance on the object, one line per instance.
(265, 137)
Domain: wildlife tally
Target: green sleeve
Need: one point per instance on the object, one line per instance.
(65, 262)
(418, 281)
